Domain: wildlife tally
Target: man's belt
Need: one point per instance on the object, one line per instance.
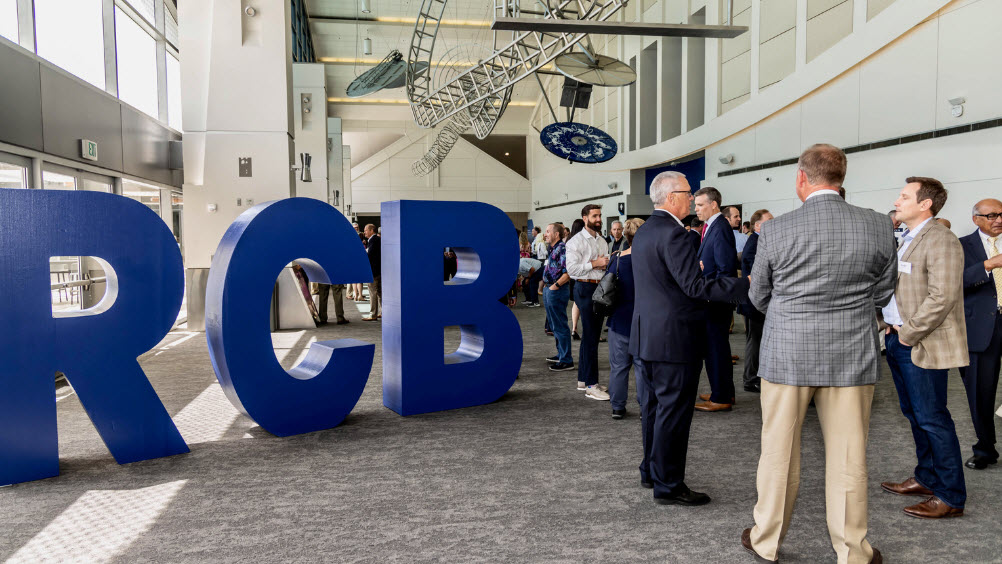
(589, 281)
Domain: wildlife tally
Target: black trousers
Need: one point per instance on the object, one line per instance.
(719, 368)
(752, 345)
(337, 290)
(532, 286)
(981, 379)
(665, 418)
(591, 332)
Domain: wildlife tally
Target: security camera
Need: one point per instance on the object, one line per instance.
(957, 105)
(727, 159)
(768, 179)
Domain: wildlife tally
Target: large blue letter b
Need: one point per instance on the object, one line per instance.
(418, 377)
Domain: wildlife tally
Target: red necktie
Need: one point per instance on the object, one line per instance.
(702, 232)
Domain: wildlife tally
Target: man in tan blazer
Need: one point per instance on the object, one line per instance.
(925, 336)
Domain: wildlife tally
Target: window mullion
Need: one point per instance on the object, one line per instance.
(26, 24)
(110, 51)
(161, 62)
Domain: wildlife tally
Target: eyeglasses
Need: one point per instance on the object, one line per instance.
(989, 216)
(688, 192)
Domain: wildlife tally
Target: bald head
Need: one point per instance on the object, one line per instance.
(988, 216)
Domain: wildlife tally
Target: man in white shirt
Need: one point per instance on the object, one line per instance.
(587, 259)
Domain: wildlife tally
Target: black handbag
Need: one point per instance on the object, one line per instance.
(606, 295)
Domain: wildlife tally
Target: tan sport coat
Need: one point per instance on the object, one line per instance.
(931, 299)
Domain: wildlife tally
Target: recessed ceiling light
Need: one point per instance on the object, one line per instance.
(506, 154)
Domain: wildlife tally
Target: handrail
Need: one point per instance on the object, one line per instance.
(76, 283)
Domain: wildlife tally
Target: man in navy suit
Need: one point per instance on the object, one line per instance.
(667, 335)
(756, 319)
(983, 314)
(718, 257)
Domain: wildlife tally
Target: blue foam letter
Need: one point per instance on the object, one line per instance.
(321, 391)
(418, 377)
(96, 348)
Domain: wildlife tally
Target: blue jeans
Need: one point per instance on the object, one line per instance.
(620, 361)
(555, 302)
(922, 393)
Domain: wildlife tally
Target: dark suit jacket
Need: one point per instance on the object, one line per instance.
(718, 252)
(375, 256)
(719, 255)
(980, 299)
(694, 237)
(747, 262)
(670, 307)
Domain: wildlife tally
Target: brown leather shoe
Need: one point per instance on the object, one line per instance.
(706, 397)
(933, 508)
(710, 406)
(908, 487)
(877, 558)
(746, 542)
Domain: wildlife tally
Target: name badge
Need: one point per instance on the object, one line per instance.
(905, 267)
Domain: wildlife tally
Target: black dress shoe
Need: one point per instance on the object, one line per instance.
(684, 496)
(753, 388)
(575, 336)
(618, 413)
(979, 462)
(648, 485)
(342, 321)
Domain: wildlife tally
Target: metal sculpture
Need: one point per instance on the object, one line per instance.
(483, 88)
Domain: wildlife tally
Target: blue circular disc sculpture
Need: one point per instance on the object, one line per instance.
(578, 142)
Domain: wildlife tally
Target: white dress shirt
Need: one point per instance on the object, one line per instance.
(709, 222)
(891, 314)
(988, 246)
(581, 250)
(671, 215)
(820, 192)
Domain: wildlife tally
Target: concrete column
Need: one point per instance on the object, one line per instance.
(236, 68)
(309, 114)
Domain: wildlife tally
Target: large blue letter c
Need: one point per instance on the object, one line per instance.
(323, 389)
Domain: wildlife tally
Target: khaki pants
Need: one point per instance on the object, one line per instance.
(844, 414)
(375, 296)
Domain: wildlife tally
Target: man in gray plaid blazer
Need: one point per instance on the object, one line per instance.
(820, 273)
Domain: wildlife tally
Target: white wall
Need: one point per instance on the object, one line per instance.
(899, 91)
(467, 174)
(236, 102)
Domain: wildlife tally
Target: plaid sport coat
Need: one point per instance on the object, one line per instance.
(820, 272)
(931, 299)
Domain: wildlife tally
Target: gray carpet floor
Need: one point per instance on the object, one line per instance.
(542, 475)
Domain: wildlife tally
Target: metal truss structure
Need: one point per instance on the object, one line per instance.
(484, 89)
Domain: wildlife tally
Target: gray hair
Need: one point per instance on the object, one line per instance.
(663, 184)
(615, 222)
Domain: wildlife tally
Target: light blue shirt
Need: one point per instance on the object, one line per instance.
(739, 240)
(891, 314)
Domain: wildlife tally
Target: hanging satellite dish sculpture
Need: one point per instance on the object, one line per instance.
(401, 80)
(389, 71)
(577, 142)
(598, 70)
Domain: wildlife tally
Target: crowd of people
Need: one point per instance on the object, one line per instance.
(824, 291)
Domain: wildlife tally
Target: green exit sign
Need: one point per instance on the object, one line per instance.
(88, 149)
